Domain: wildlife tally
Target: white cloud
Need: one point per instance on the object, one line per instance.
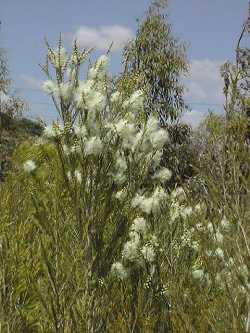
(204, 83)
(31, 82)
(204, 90)
(194, 117)
(102, 37)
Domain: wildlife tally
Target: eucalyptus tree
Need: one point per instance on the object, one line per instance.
(156, 58)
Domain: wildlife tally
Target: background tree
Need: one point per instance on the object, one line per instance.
(9, 103)
(157, 59)
(13, 128)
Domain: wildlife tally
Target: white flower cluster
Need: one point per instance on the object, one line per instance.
(148, 253)
(131, 248)
(119, 176)
(178, 207)
(139, 142)
(218, 231)
(88, 97)
(163, 175)
(139, 225)
(137, 250)
(93, 146)
(150, 204)
(50, 87)
(198, 274)
(98, 71)
(121, 195)
(119, 271)
(75, 175)
(52, 131)
(29, 166)
(146, 141)
(135, 101)
(81, 131)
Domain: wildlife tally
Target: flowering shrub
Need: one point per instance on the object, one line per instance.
(109, 161)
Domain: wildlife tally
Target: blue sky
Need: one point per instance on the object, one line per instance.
(210, 27)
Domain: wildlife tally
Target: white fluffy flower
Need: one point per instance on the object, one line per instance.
(219, 237)
(225, 224)
(98, 71)
(119, 270)
(121, 195)
(88, 96)
(119, 126)
(198, 274)
(95, 100)
(164, 174)
(156, 159)
(134, 236)
(186, 212)
(198, 208)
(119, 178)
(71, 74)
(139, 225)
(210, 228)
(69, 175)
(102, 62)
(149, 204)
(52, 131)
(135, 100)
(154, 241)
(195, 245)
(219, 253)
(29, 166)
(74, 58)
(50, 87)
(130, 250)
(78, 176)
(93, 146)
(120, 166)
(141, 202)
(80, 131)
(148, 253)
(159, 194)
(152, 124)
(136, 140)
(85, 87)
(65, 91)
(127, 132)
(66, 150)
(178, 193)
(116, 97)
(175, 211)
(159, 138)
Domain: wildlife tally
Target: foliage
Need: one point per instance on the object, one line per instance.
(156, 59)
(9, 103)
